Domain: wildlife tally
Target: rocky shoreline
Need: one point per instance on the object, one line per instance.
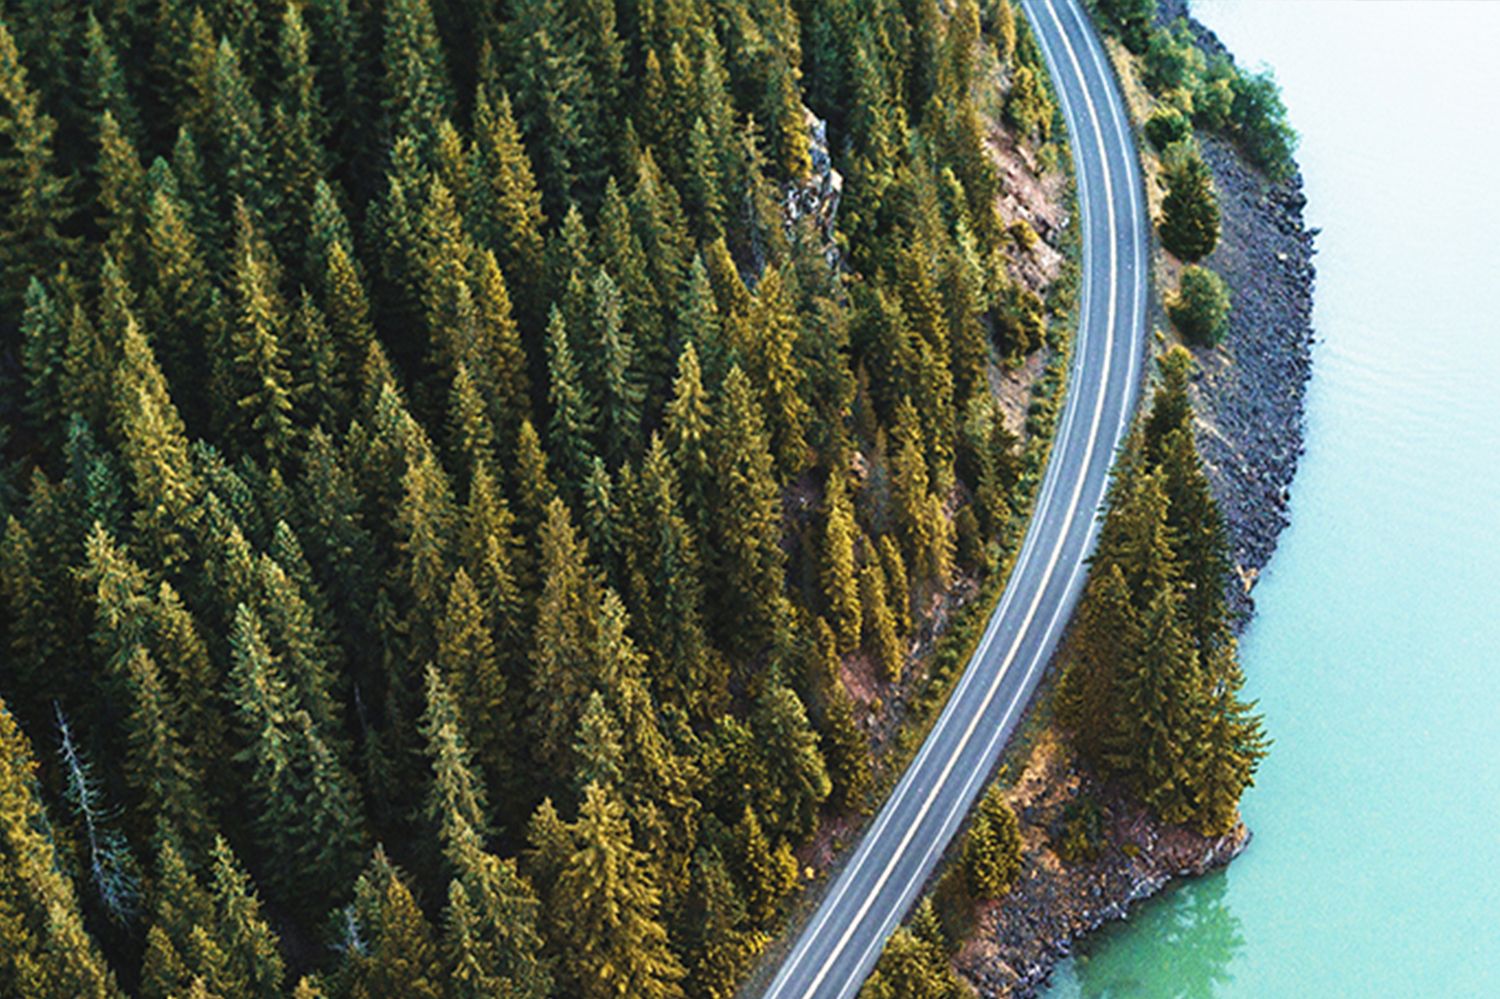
(1249, 396)
(1250, 391)
(1018, 940)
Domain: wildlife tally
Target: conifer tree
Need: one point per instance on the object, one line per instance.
(415, 88)
(259, 419)
(392, 953)
(466, 659)
(162, 768)
(253, 965)
(616, 380)
(993, 847)
(689, 417)
(774, 367)
(511, 211)
(48, 951)
(32, 190)
(566, 622)
(880, 623)
(1189, 223)
(1088, 699)
(727, 944)
(840, 580)
(796, 776)
(572, 427)
(308, 813)
(667, 574)
(609, 931)
(751, 608)
(768, 874)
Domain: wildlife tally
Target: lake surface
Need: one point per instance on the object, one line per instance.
(1375, 868)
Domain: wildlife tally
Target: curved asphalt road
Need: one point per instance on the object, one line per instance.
(839, 946)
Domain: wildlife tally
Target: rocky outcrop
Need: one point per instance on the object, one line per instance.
(817, 197)
(1019, 939)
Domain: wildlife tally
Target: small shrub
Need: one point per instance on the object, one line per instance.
(1165, 126)
(1079, 834)
(1022, 234)
(1200, 309)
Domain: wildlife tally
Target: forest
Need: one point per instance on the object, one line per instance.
(444, 469)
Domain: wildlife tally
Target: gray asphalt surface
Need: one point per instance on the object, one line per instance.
(840, 944)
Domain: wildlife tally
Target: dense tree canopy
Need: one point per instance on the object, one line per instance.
(444, 485)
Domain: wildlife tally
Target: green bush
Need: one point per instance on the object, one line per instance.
(1172, 60)
(1200, 309)
(1166, 126)
(1259, 120)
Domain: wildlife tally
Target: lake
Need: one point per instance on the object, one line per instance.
(1375, 868)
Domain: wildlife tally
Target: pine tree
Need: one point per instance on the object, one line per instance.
(606, 904)
(500, 350)
(259, 413)
(48, 952)
(769, 875)
(392, 952)
(512, 205)
(774, 367)
(572, 427)
(33, 194)
(1089, 698)
(415, 89)
(751, 608)
(667, 574)
(993, 847)
(1189, 223)
(880, 624)
(253, 965)
(616, 380)
(727, 944)
(840, 581)
(689, 417)
(466, 659)
(845, 747)
(797, 776)
(161, 767)
(308, 813)
(566, 624)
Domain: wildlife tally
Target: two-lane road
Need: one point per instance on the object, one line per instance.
(841, 943)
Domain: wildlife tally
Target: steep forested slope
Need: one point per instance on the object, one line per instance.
(442, 473)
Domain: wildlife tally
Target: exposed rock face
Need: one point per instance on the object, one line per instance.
(817, 198)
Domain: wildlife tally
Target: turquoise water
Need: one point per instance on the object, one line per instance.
(1375, 869)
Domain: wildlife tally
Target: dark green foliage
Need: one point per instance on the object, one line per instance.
(1200, 308)
(914, 963)
(1132, 19)
(1247, 107)
(1165, 126)
(1189, 223)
